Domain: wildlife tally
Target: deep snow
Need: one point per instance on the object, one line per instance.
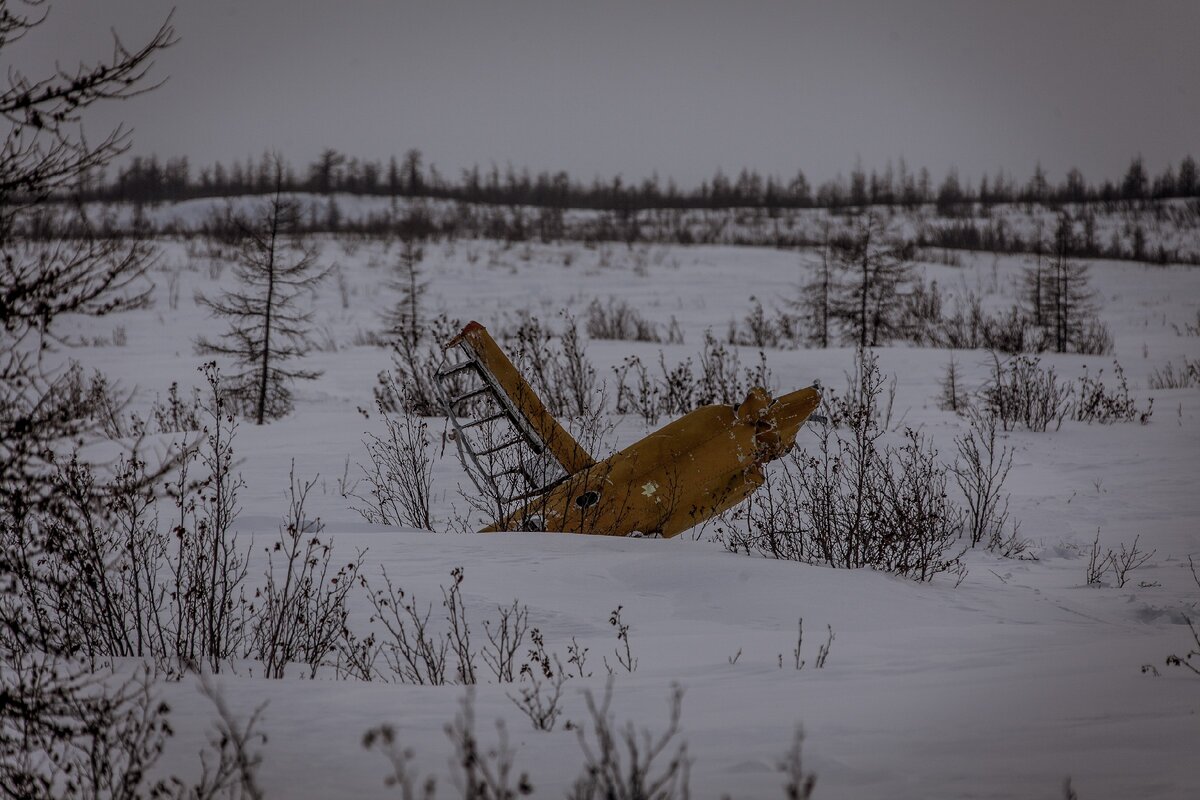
(999, 687)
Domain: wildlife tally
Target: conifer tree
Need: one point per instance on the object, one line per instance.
(953, 396)
(403, 322)
(818, 295)
(1188, 182)
(1068, 302)
(1035, 280)
(873, 265)
(1134, 184)
(267, 327)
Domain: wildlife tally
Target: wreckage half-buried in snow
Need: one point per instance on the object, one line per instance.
(541, 479)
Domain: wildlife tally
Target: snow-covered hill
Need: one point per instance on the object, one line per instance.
(1161, 230)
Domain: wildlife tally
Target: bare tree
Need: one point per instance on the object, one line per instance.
(50, 707)
(41, 409)
(267, 328)
(42, 151)
(42, 155)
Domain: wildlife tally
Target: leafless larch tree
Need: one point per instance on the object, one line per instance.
(268, 326)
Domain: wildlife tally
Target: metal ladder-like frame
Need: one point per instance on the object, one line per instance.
(526, 436)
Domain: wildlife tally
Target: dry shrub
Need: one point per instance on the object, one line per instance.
(980, 470)
(619, 763)
(303, 610)
(400, 472)
(757, 329)
(855, 500)
(719, 377)
(1021, 392)
(411, 386)
(1171, 378)
(67, 734)
(556, 365)
(478, 772)
(1096, 402)
(616, 319)
(407, 645)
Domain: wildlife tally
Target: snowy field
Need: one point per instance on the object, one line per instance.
(1001, 686)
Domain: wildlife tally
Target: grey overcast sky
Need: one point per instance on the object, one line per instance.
(637, 86)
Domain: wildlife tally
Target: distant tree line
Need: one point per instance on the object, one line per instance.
(148, 180)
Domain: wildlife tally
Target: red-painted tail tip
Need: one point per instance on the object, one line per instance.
(470, 328)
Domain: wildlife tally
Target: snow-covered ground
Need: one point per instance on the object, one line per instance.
(1001, 686)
